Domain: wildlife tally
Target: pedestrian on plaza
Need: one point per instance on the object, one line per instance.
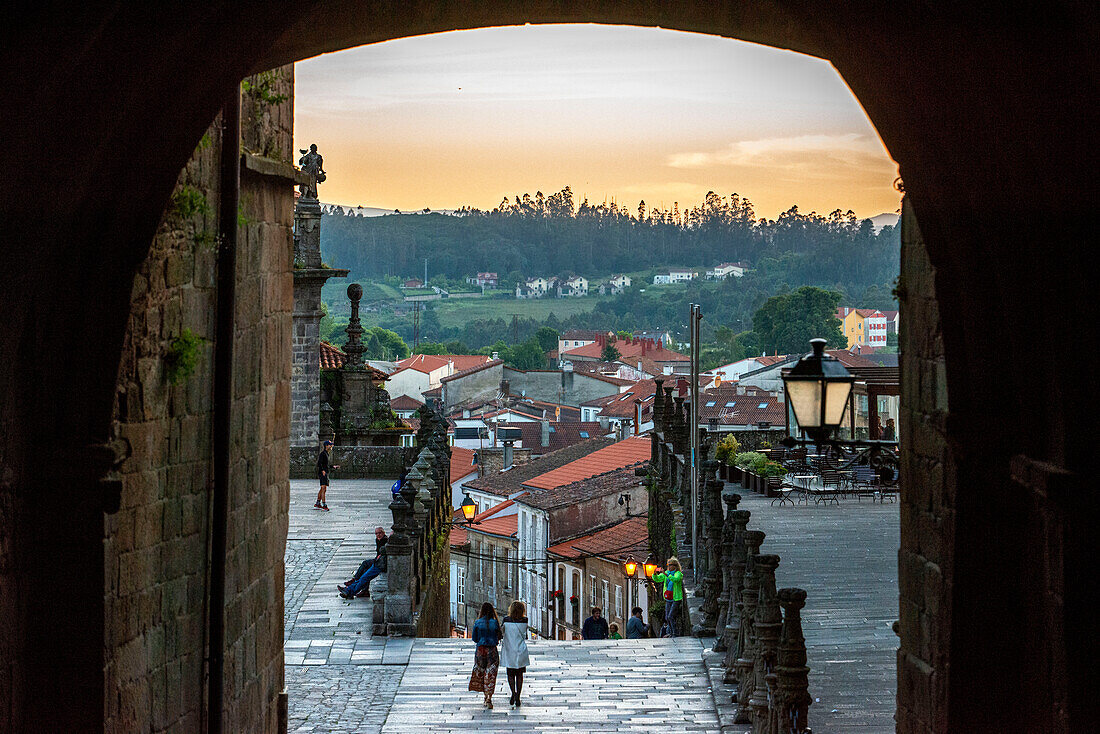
(359, 584)
(513, 650)
(614, 629)
(595, 627)
(635, 627)
(486, 634)
(324, 473)
(673, 579)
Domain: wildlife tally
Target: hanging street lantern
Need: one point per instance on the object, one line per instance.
(630, 567)
(649, 568)
(817, 389)
(469, 509)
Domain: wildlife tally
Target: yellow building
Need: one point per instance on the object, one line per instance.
(862, 326)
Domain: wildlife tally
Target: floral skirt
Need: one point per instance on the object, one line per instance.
(486, 662)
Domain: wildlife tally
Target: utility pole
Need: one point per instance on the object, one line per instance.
(693, 417)
(425, 272)
(416, 324)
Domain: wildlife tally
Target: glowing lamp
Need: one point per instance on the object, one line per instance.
(650, 568)
(818, 388)
(469, 509)
(630, 567)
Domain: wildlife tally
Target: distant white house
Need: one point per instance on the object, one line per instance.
(725, 270)
(574, 287)
(674, 275)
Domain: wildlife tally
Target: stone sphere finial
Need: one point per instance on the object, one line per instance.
(355, 292)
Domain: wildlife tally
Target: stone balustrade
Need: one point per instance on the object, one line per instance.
(757, 627)
(414, 600)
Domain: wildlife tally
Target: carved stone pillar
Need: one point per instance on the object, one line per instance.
(725, 567)
(732, 634)
(767, 624)
(750, 597)
(399, 571)
(792, 676)
(658, 406)
(711, 547)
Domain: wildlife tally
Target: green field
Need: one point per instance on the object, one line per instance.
(458, 312)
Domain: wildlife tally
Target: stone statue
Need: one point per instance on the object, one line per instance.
(313, 164)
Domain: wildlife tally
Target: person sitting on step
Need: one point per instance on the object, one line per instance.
(359, 584)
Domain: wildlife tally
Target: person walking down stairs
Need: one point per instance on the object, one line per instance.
(486, 634)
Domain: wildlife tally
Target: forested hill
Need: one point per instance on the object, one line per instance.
(551, 235)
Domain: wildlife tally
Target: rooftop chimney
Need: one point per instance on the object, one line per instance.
(545, 431)
(508, 454)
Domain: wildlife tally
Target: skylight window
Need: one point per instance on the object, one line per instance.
(584, 434)
(710, 403)
(731, 403)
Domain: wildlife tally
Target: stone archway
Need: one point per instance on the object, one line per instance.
(987, 114)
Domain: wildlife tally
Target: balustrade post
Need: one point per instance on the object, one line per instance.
(737, 584)
(725, 563)
(767, 624)
(712, 550)
(398, 613)
(750, 597)
(792, 675)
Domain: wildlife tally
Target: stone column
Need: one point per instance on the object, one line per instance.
(792, 676)
(725, 609)
(309, 276)
(399, 607)
(732, 634)
(767, 624)
(750, 597)
(711, 549)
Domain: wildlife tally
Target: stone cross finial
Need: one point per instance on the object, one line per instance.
(354, 346)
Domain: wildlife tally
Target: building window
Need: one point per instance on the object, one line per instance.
(480, 561)
(460, 586)
(619, 601)
(493, 565)
(606, 606)
(591, 590)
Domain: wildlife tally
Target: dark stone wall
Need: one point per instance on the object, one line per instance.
(155, 546)
(928, 482)
(355, 462)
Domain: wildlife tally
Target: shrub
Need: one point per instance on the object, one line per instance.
(726, 450)
(771, 469)
(749, 460)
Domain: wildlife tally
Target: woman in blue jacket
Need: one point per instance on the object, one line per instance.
(486, 634)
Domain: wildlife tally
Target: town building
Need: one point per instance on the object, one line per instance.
(485, 280)
(630, 351)
(483, 563)
(627, 413)
(863, 326)
(573, 338)
(574, 287)
(420, 373)
(726, 270)
(674, 275)
(588, 571)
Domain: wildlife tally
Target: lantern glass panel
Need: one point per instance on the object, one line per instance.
(836, 400)
(805, 396)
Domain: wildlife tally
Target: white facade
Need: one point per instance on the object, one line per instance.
(734, 370)
(409, 382)
(620, 281)
(674, 276)
(533, 534)
(725, 270)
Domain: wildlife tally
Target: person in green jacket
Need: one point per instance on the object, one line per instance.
(673, 579)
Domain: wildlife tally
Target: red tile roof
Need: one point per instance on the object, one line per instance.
(622, 405)
(575, 493)
(628, 537)
(426, 363)
(562, 434)
(505, 527)
(746, 407)
(629, 349)
(405, 402)
(332, 357)
(466, 361)
(616, 456)
(461, 463)
(848, 359)
(769, 360)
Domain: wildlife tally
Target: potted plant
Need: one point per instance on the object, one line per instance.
(726, 452)
(771, 469)
(748, 462)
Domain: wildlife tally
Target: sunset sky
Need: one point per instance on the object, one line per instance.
(614, 112)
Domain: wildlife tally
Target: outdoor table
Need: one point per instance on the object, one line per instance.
(805, 480)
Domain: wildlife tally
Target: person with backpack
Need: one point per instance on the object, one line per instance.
(486, 634)
(673, 579)
(324, 474)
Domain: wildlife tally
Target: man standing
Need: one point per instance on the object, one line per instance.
(324, 471)
(595, 627)
(635, 627)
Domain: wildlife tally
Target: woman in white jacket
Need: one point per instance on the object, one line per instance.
(513, 650)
